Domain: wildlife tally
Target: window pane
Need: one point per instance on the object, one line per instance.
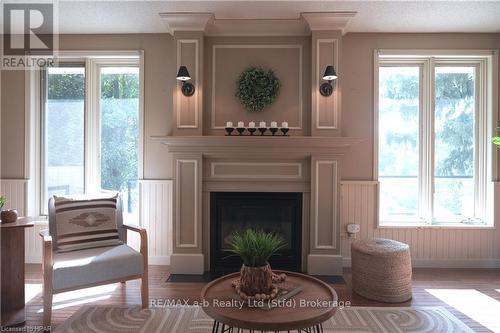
(64, 131)
(398, 141)
(454, 143)
(120, 133)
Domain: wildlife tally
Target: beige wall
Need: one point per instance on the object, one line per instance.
(356, 73)
(288, 57)
(159, 74)
(12, 120)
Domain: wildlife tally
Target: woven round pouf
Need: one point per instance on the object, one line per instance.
(381, 270)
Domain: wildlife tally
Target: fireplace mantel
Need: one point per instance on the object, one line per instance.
(306, 164)
(280, 145)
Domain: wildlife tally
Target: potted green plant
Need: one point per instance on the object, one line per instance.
(3, 201)
(496, 139)
(7, 216)
(255, 247)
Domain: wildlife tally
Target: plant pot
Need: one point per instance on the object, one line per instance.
(256, 280)
(8, 216)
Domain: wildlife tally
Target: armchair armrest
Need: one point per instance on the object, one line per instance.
(47, 259)
(144, 238)
(135, 228)
(45, 235)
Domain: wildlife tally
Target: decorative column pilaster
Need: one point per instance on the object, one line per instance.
(326, 38)
(188, 31)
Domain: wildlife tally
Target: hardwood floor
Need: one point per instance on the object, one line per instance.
(472, 295)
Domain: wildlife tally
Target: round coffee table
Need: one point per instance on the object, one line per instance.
(304, 312)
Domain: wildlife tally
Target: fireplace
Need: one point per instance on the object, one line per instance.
(279, 212)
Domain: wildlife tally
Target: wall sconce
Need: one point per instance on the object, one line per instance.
(326, 88)
(183, 75)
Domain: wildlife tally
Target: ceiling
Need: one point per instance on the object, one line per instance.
(372, 16)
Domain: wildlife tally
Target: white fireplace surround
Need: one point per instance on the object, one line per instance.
(204, 164)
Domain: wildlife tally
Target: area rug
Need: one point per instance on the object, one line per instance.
(192, 319)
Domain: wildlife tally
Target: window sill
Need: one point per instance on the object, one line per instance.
(434, 226)
(39, 220)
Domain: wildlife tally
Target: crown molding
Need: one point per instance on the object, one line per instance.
(186, 21)
(321, 21)
(302, 26)
(257, 27)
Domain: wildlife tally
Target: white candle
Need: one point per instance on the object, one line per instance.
(262, 124)
(284, 124)
(274, 124)
(251, 124)
(241, 124)
(229, 124)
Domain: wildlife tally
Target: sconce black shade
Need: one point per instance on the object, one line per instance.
(326, 89)
(183, 75)
(330, 73)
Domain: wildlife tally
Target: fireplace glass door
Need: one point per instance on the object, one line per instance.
(280, 213)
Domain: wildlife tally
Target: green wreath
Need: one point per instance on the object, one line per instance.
(257, 88)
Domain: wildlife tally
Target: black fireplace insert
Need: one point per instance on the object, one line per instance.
(279, 212)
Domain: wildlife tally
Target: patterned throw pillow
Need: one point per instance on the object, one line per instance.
(86, 223)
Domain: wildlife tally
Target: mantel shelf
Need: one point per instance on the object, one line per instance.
(258, 145)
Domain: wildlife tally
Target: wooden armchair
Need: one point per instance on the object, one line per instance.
(91, 267)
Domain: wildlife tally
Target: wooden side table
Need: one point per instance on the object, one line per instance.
(314, 305)
(12, 278)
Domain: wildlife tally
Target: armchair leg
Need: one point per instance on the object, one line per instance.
(145, 291)
(47, 306)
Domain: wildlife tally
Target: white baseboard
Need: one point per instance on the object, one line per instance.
(33, 259)
(324, 264)
(187, 263)
(446, 263)
(159, 260)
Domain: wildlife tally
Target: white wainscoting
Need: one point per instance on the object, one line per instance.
(155, 205)
(33, 243)
(15, 190)
(430, 247)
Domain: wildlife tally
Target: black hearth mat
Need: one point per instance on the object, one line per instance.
(205, 277)
(209, 276)
(331, 279)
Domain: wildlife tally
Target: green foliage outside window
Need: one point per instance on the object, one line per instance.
(119, 124)
(119, 130)
(496, 139)
(450, 90)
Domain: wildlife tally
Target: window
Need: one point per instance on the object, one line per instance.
(399, 140)
(64, 131)
(90, 123)
(119, 119)
(432, 147)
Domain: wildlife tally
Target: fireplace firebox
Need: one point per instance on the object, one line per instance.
(279, 212)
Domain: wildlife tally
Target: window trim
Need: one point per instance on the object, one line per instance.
(42, 136)
(33, 121)
(486, 83)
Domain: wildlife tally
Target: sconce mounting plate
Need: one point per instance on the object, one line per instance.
(326, 89)
(187, 89)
